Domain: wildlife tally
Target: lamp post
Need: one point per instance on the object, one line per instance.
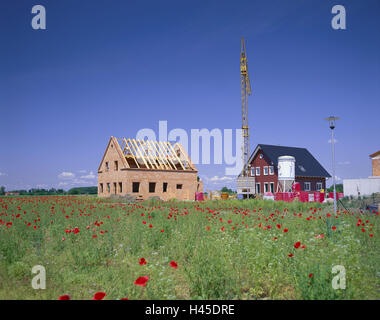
(332, 120)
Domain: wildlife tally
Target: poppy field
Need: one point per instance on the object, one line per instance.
(92, 248)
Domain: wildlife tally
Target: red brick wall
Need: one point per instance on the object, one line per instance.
(376, 166)
(126, 176)
(264, 162)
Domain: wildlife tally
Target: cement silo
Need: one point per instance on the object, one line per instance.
(286, 173)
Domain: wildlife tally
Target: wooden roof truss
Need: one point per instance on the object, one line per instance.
(159, 155)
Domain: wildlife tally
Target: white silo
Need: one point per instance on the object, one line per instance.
(286, 173)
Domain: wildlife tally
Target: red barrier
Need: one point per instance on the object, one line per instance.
(278, 196)
(319, 196)
(339, 195)
(303, 196)
(198, 196)
(285, 196)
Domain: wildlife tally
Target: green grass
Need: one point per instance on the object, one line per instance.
(214, 260)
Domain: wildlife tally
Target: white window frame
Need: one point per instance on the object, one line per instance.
(271, 188)
(257, 173)
(266, 187)
(252, 171)
(307, 184)
(267, 170)
(258, 184)
(271, 170)
(321, 186)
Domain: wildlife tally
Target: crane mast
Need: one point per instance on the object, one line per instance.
(245, 92)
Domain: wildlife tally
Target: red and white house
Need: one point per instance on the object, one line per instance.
(264, 168)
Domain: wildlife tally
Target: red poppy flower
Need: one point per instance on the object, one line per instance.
(303, 247)
(333, 227)
(297, 244)
(286, 230)
(141, 281)
(94, 235)
(310, 275)
(142, 261)
(290, 255)
(99, 296)
(173, 264)
(162, 230)
(64, 297)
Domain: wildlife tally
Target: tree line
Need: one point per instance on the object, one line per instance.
(51, 191)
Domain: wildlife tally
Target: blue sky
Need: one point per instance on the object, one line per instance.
(110, 68)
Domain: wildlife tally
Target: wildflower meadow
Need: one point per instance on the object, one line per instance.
(93, 248)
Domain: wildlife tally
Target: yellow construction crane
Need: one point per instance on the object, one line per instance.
(245, 92)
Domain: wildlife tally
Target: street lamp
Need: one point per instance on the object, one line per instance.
(332, 126)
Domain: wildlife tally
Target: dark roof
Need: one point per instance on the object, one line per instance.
(306, 164)
(374, 154)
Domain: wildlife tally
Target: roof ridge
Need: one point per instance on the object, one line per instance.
(275, 145)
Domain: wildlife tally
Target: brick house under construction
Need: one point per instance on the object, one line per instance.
(145, 168)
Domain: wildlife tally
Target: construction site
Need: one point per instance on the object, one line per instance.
(145, 169)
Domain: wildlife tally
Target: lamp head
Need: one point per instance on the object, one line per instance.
(332, 120)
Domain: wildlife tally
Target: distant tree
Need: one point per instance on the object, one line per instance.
(225, 189)
(2, 190)
(83, 190)
(338, 188)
